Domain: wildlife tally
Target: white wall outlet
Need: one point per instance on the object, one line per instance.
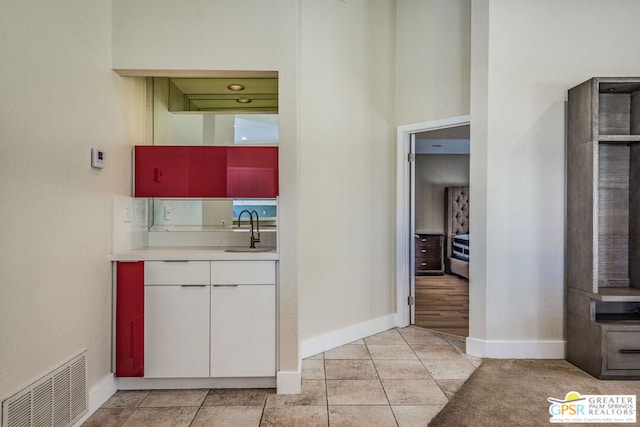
(97, 158)
(126, 214)
(167, 213)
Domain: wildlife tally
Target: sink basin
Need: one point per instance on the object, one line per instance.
(243, 249)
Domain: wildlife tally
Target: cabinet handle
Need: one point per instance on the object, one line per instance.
(424, 263)
(630, 351)
(225, 286)
(176, 260)
(193, 286)
(423, 251)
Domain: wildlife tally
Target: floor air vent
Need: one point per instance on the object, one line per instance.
(57, 400)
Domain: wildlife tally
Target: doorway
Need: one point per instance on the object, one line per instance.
(440, 187)
(431, 157)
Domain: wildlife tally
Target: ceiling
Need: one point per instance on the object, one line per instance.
(251, 95)
(453, 140)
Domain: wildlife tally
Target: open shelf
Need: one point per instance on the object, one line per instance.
(619, 139)
(618, 294)
(633, 318)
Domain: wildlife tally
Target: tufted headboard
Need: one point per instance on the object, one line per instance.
(456, 201)
(457, 210)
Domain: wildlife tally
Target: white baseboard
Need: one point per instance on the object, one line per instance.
(99, 394)
(289, 382)
(333, 339)
(516, 349)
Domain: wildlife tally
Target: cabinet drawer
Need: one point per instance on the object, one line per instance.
(428, 263)
(623, 350)
(427, 244)
(243, 273)
(176, 273)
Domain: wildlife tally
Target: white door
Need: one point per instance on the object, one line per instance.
(412, 228)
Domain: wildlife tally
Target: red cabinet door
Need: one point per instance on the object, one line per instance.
(206, 171)
(161, 171)
(252, 172)
(130, 319)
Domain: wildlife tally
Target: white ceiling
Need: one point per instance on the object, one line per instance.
(454, 140)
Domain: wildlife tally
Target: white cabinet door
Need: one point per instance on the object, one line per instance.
(243, 331)
(176, 325)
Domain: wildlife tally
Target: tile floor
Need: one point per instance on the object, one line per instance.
(400, 377)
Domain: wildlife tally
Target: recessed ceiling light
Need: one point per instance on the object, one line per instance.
(243, 100)
(235, 87)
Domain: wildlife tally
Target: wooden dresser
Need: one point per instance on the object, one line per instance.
(429, 249)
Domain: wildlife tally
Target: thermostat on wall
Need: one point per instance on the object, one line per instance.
(97, 158)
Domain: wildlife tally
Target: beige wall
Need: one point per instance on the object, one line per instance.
(433, 59)
(526, 55)
(434, 172)
(346, 171)
(59, 99)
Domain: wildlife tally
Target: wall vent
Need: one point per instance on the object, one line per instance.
(57, 400)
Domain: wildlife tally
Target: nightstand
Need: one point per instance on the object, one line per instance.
(429, 253)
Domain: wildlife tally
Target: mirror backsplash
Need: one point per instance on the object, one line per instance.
(209, 214)
(208, 128)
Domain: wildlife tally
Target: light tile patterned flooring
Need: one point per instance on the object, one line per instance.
(400, 377)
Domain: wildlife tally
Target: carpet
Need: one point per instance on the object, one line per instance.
(514, 392)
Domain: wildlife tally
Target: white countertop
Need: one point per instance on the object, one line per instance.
(191, 253)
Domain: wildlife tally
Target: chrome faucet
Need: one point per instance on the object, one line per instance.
(254, 239)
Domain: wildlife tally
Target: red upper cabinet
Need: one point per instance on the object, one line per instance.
(206, 171)
(252, 172)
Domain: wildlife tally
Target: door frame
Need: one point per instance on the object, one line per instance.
(403, 210)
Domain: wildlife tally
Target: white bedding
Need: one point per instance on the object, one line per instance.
(460, 247)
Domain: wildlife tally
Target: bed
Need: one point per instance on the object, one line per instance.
(456, 202)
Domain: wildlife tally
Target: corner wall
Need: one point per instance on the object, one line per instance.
(526, 55)
(59, 99)
(346, 171)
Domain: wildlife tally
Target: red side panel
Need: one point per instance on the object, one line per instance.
(130, 319)
(252, 172)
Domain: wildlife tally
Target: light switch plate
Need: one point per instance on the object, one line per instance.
(97, 158)
(126, 215)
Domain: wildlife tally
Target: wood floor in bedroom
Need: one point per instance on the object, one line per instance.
(442, 304)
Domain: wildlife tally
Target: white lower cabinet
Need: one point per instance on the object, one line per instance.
(218, 321)
(243, 331)
(176, 335)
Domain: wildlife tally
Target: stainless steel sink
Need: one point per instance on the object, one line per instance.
(243, 249)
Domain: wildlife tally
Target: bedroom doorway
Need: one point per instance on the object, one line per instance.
(437, 288)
